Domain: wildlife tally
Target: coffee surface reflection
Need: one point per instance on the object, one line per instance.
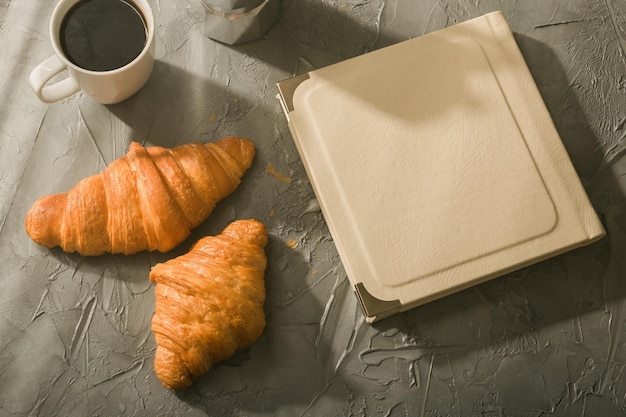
(103, 35)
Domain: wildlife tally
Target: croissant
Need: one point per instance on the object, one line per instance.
(149, 199)
(209, 302)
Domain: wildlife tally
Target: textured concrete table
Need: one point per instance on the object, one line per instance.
(75, 334)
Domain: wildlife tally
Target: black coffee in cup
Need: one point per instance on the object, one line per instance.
(102, 35)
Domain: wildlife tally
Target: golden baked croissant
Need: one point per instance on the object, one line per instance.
(148, 199)
(209, 302)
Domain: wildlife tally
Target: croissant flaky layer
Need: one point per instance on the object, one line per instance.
(149, 199)
(209, 302)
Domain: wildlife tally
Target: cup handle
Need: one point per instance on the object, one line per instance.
(43, 73)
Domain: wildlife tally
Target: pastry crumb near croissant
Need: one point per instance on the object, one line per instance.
(209, 302)
(149, 199)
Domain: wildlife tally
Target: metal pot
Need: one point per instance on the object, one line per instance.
(237, 21)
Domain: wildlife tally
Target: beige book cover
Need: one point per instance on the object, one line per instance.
(436, 165)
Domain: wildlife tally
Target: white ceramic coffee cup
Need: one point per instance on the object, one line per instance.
(106, 87)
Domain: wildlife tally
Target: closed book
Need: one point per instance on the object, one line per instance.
(436, 165)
